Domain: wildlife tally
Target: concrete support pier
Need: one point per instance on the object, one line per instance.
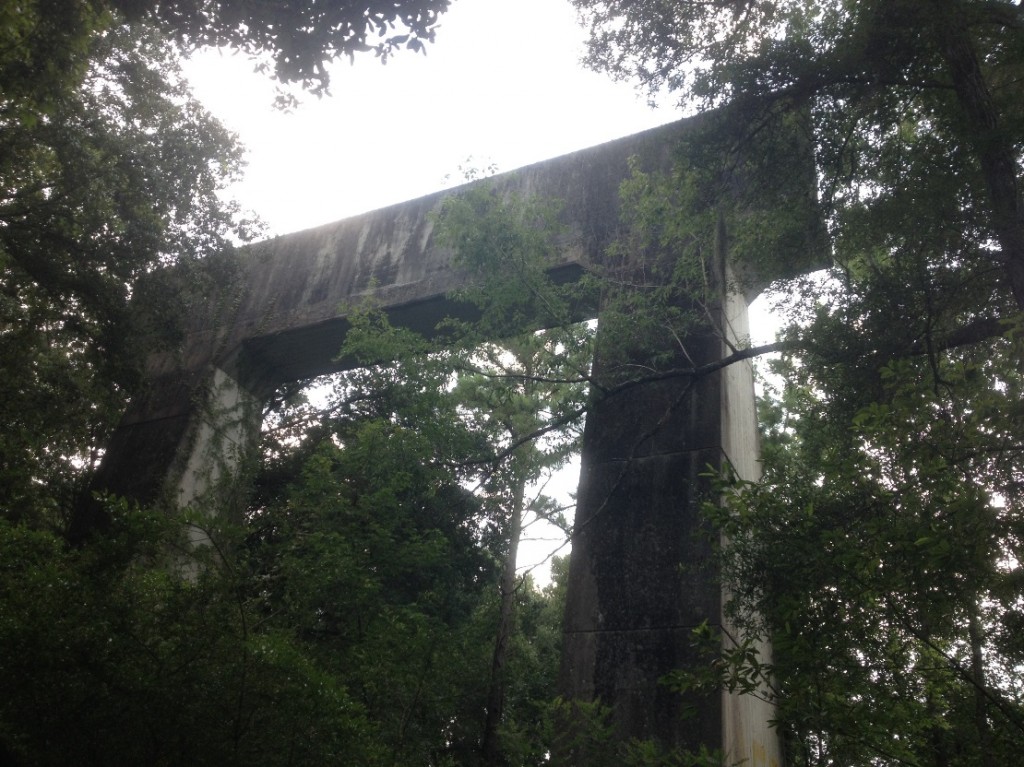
(642, 576)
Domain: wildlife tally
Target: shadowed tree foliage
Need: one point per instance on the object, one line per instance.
(116, 177)
(882, 556)
(914, 103)
(881, 552)
(48, 41)
(300, 38)
(108, 659)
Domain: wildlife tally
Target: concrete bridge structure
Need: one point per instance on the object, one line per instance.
(642, 576)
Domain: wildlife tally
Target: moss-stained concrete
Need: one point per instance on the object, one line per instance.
(282, 315)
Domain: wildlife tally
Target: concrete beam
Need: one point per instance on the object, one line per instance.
(286, 302)
(278, 313)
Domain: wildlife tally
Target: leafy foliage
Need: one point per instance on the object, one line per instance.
(889, 609)
(881, 553)
(370, 558)
(914, 102)
(119, 175)
(350, 618)
(47, 42)
(108, 659)
(301, 38)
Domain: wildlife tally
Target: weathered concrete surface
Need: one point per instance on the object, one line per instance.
(281, 314)
(285, 309)
(746, 737)
(642, 574)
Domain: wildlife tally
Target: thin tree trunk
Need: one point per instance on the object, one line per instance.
(506, 621)
(977, 637)
(992, 146)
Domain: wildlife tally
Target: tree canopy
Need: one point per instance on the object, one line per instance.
(117, 176)
(881, 553)
(300, 38)
(915, 103)
(49, 40)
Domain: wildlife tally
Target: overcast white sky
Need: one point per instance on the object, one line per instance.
(502, 84)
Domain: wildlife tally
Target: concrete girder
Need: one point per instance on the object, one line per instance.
(279, 314)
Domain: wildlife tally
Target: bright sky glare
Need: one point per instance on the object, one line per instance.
(502, 84)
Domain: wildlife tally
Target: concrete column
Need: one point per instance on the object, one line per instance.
(181, 443)
(223, 433)
(222, 436)
(746, 737)
(642, 575)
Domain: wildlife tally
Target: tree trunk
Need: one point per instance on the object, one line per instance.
(977, 637)
(506, 621)
(991, 145)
